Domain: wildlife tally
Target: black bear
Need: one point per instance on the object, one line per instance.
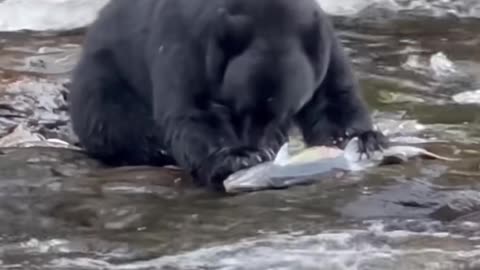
(213, 85)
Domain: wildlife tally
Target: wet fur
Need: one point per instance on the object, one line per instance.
(212, 86)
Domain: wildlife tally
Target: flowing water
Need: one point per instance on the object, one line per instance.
(61, 210)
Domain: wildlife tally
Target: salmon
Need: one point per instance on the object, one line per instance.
(294, 164)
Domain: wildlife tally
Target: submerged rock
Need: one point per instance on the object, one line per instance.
(39, 106)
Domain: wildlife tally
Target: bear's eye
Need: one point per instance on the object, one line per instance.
(236, 35)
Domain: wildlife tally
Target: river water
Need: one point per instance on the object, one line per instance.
(61, 210)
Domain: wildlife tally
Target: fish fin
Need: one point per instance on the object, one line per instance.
(282, 156)
(351, 150)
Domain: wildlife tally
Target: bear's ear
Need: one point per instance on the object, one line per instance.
(230, 35)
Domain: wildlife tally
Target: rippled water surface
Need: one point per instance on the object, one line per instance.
(61, 210)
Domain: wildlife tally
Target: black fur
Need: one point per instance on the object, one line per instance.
(212, 86)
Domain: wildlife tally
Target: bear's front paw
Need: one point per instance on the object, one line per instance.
(221, 164)
(371, 141)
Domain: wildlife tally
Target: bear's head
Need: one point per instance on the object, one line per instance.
(266, 57)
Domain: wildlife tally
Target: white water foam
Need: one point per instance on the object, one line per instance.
(438, 65)
(371, 248)
(467, 97)
(40, 15)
